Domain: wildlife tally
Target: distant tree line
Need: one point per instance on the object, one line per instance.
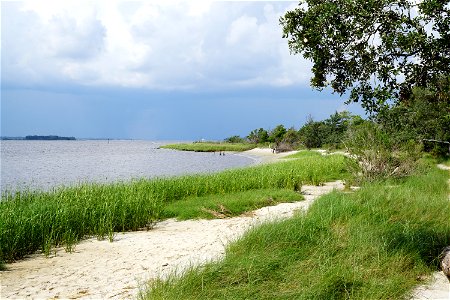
(328, 133)
(48, 138)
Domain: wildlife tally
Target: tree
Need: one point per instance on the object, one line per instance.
(277, 134)
(234, 139)
(290, 141)
(263, 135)
(424, 117)
(291, 137)
(335, 127)
(378, 51)
(311, 134)
(258, 136)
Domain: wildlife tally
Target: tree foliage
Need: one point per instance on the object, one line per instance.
(277, 134)
(425, 116)
(235, 139)
(376, 50)
(328, 133)
(258, 136)
(311, 134)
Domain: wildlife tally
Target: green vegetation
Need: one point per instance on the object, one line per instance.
(402, 81)
(371, 244)
(34, 220)
(338, 37)
(328, 133)
(379, 154)
(228, 205)
(303, 154)
(424, 117)
(210, 147)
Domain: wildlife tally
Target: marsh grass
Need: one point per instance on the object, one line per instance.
(228, 205)
(37, 220)
(34, 220)
(210, 147)
(303, 154)
(376, 243)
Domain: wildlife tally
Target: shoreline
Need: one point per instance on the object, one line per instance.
(117, 270)
(265, 155)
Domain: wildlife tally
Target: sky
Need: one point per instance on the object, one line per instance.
(155, 70)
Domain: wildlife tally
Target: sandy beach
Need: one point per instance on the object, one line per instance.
(100, 269)
(117, 270)
(265, 155)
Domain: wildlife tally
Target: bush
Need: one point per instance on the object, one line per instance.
(235, 139)
(378, 155)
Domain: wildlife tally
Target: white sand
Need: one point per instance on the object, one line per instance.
(100, 269)
(266, 155)
(438, 288)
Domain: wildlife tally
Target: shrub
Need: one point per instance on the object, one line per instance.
(234, 139)
(378, 155)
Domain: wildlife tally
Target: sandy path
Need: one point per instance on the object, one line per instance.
(100, 269)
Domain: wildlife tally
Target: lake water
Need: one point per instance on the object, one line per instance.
(47, 164)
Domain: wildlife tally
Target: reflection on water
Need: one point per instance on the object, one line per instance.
(46, 164)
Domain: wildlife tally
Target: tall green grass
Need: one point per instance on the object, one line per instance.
(210, 147)
(373, 244)
(303, 154)
(228, 205)
(35, 220)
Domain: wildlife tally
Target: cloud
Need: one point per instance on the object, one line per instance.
(72, 40)
(242, 29)
(39, 48)
(152, 45)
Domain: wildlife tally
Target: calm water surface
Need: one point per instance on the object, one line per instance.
(47, 164)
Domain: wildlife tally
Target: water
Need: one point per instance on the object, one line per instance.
(48, 164)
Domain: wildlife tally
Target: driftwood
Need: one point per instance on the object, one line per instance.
(445, 261)
(222, 214)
